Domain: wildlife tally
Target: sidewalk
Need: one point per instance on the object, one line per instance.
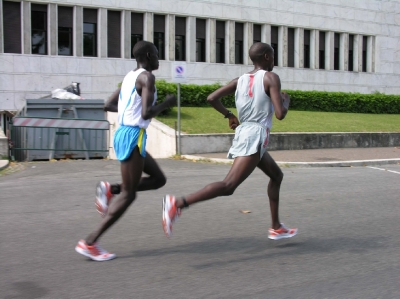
(3, 164)
(338, 157)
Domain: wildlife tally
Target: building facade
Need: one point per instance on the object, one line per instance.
(331, 45)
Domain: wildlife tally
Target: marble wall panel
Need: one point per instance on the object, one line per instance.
(7, 63)
(27, 63)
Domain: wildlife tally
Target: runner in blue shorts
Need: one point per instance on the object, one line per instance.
(257, 96)
(135, 103)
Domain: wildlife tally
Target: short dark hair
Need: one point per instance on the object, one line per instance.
(141, 49)
(257, 51)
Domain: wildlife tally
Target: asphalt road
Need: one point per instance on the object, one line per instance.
(347, 246)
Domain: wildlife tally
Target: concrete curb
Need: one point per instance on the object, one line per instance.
(4, 164)
(306, 164)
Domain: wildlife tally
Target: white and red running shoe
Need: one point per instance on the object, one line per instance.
(94, 252)
(170, 213)
(103, 197)
(282, 233)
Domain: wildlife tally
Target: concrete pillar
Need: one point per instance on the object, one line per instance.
(52, 28)
(283, 46)
(329, 50)
(230, 42)
(299, 47)
(148, 28)
(247, 42)
(102, 32)
(314, 49)
(191, 39)
(1, 31)
(126, 34)
(78, 31)
(26, 28)
(357, 50)
(344, 52)
(266, 34)
(170, 37)
(371, 54)
(211, 32)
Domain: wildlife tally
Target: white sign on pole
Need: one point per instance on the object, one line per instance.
(179, 71)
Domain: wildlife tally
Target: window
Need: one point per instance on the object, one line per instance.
(136, 29)
(322, 50)
(65, 21)
(12, 27)
(200, 40)
(256, 33)
(364, 53)
(89, 32)
(290, 47)
(336, 51)
(39, 29)
(180, 32)
(351, 55)
(220, 42)
(307, 49)
(113, 34)
(274, 43)
(238, 43)
(159, 35)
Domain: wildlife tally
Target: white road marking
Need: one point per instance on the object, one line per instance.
(383, 169)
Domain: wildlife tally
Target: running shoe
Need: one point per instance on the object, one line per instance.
(103, 197)
(94, 252)
(281, 233)
(170, 214)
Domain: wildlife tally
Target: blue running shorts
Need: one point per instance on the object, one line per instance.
(126, 138)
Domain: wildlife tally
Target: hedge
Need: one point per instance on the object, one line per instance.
(196, 96)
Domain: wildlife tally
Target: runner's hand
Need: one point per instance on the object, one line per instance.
(233, 122)
(171, 100)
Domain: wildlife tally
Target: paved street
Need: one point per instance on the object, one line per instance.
(347, 246)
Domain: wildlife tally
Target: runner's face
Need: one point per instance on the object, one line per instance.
(154, 59)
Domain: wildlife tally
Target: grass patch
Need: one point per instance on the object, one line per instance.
(199, 120)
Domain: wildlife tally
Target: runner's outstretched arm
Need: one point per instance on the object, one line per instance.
(214, 100)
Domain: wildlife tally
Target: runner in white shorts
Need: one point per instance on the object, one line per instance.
(258, 96)
(135, 103)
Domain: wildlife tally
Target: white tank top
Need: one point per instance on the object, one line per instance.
(130, 102)
(252, 103)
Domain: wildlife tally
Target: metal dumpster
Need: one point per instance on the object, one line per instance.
(48, 129)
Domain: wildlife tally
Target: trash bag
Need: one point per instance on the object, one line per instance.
(62, 94)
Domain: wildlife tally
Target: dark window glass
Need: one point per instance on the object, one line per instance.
(179, 48)
(239, 43)
(90, 32)
(322, 50)
(351, 55)
(136, 29)
(200, 40)
(306, 49)
(180, 32)
(159, 35)
(290, 47)
(336, 51)
(12, 27)
(114, 34)
(274, 43)
(256, 33)
(200, 50)
(39, 29)
(364, 53)
(159, 43)
(65, 23)
(220, 42)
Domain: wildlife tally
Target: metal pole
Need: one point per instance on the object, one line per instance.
(179, 118)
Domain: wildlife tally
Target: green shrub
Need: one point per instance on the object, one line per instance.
(196, 96)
